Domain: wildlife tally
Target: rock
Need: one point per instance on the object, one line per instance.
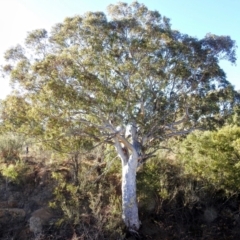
(4, 204)
(39, 218)
(10, 203)
(210, 214)
(35, 225)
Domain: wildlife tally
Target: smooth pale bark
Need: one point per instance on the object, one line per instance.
(129, 171)
(129, 197)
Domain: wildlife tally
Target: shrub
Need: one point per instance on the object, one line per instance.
(213, 157)
(10, 147)
(91, 207)
(160, 180)
(14, 172)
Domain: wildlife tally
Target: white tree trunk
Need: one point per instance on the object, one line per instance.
(129, 171)
(129, 197)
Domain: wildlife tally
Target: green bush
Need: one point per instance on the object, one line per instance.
(14, 172)
(159, 180)
(213, 157)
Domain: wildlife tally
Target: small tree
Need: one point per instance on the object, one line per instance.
(127, 80)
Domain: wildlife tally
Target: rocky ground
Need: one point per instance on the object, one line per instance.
(25, 214)
(24, 207)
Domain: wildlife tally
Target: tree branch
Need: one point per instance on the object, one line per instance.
(120, 151)
(181, 132)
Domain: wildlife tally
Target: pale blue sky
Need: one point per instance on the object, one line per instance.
(194, 17)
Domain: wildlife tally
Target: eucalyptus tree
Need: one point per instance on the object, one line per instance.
(126, 79)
